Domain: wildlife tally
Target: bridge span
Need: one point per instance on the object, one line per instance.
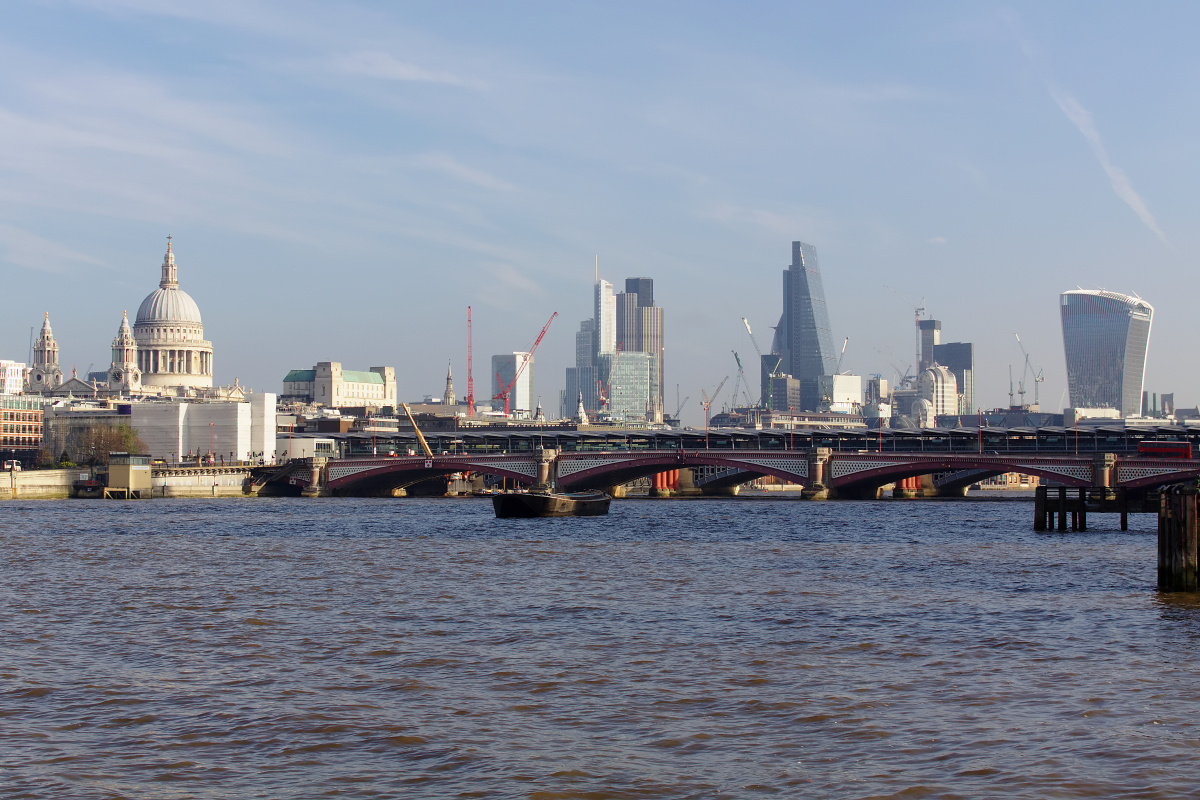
(824, 473)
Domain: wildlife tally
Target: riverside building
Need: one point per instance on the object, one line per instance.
(1106, 337)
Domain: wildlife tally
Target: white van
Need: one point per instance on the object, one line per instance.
(12, 466)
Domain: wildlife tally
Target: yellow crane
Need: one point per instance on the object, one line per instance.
(420, 438)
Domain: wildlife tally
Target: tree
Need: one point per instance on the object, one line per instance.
(97, 441)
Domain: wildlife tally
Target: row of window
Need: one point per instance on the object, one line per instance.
(20, 416)
(36, 429)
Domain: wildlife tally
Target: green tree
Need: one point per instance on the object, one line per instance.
(99, 440)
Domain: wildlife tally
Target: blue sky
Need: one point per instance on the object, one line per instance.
(343, 179)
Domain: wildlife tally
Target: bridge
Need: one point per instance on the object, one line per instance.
(823, 472)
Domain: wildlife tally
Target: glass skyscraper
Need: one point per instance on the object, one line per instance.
(1106, 336)
(806, 335)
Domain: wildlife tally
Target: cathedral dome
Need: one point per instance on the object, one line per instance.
(168, 306)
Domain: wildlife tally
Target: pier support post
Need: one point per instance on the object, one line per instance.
(1039, 508)
(818, 460)
(1123, 499)
(1062, 508)
(1177, 539)
(316, 488)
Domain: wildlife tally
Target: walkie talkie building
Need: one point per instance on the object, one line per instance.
(1106, 336)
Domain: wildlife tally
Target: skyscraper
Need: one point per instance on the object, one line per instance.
(521, 400)
(625, 323)
(1106, 336)
(807, 337)
(605, 315)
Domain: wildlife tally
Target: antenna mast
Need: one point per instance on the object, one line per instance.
(470, 378)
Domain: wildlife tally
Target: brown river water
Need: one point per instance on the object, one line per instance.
(674, 649)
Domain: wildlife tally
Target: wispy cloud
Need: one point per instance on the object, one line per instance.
(388, 67)
(936, 240)
(785, 224)
(1082, 119)
(24, 249)
(443, 162)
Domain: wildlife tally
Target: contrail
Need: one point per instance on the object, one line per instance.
(1120, 181)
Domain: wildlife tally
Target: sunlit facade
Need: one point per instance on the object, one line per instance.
(1106, 336)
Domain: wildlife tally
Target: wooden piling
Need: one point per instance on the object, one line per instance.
(1062, 508)
(1039, 508)
(1177, 539)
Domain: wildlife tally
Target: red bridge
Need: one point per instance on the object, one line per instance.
(834, 474)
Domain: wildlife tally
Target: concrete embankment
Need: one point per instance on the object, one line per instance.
(46, 484)
(51, 484)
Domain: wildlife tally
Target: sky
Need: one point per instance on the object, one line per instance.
(342, 179)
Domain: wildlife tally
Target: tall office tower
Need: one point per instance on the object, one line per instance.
(585, 348)
(580, 383)
(631, 385)
(521, 400)
(959, 358)
(628, 322)
(807, 335)
(1106, 336)
(643, 288)
(931, 337)
(605, 315)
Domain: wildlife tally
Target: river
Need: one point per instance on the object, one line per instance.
(725, 648)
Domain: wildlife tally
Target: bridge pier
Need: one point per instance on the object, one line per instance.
(1178, 542)
(818, 459)
(316, 486)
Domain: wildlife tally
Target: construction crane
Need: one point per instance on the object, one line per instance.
(707, 403)
(679, 410)
(470, 378)
(416, 430)
(774, 369)
(918, 309)
(1038, 377)
(838, 369)
(740, 380)
(506, 391)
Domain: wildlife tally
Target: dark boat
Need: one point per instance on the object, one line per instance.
(545, 503)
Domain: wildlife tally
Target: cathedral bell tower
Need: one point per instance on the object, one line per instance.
(124, 374)
(46, 374)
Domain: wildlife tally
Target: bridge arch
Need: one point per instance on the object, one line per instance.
(581, 471)
(862, 475)
(381, 476)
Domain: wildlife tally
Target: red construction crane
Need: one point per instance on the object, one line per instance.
(470, 379)
(506, 391)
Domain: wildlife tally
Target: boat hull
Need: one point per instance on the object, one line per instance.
(550, 504)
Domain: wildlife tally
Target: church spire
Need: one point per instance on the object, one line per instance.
(170, 279)
(448, 397)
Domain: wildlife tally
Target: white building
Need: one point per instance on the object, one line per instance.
(938, 386)
(327, 384)
(12, 376)
(173, 428)
(606, 318)
(504, 367)
(841, 394)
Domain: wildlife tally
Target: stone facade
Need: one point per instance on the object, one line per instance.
(327, 384)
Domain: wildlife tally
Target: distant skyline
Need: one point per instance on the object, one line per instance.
(343, 181)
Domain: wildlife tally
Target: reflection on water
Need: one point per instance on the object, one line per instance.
(707, 649)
